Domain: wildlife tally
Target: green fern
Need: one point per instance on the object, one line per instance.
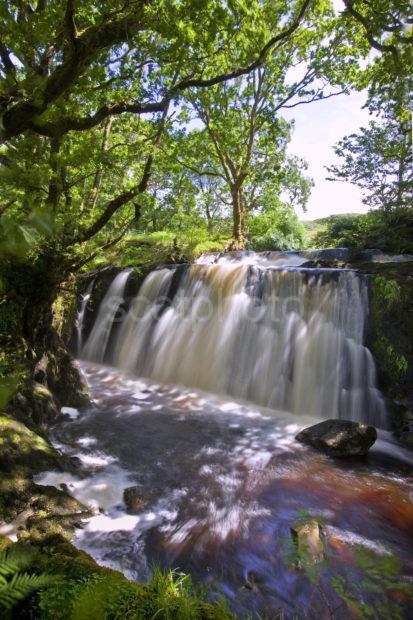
(15, 559)
(15, 585)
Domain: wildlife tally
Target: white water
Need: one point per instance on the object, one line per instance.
(98, 339)
(289, 339)
(81, 314)
(222, 483)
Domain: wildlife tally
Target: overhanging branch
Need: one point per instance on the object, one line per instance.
(381, 47)
(64, 125)
(258, 62)
(82, 48)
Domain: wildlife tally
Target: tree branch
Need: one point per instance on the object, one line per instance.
(4, 160)
(64, 125)
(99, 171)
(8, 204)
(70, 25)
(116, 203)
(9, 68)
(104, 247)
(315, 98)
(349, 4)
(84, 48)
(199, 172)
(224, 77)
(77, 54)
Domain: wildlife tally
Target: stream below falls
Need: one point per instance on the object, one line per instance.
(222, 483)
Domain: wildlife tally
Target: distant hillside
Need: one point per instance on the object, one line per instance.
(313, 227)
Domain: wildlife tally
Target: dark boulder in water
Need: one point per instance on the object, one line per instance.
(339, 437)
(135, 499)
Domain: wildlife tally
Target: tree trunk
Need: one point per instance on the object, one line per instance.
(49, 379)
(238, 224)
(99, 171)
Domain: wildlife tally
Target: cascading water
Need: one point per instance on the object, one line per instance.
(81, 315)
(95, 346)
(289, 338)
(220, 483)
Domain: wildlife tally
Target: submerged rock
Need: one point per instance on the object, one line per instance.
(307, 541)
(339, 437)
(135, 499)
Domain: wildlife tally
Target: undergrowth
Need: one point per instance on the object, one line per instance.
(61, 583)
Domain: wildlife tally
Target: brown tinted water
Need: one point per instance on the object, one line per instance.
(224, 481)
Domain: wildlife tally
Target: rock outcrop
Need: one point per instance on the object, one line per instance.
(135, 499)
(339, 438)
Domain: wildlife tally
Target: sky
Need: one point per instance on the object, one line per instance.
(318, 126)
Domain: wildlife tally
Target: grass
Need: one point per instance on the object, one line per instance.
(55, 581)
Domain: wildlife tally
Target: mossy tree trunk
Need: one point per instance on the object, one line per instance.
(50, 380)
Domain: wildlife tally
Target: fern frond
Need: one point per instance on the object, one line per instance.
(20, 586)
(15, 559)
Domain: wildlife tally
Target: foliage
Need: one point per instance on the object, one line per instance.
(391, 344)
(390, 232)
(169, 595)
(71, 586)
(276, 229)
(388, 290)
(378, 160)
(378, 590)
(76, 148)
(379, 157)
(16, 585)
(371, 587)
(244, 149)
(395, 363)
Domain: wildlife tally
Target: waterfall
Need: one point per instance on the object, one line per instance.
(289, 338)
(81, 315)
(95, 346)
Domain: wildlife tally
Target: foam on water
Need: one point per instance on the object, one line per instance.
(222, 482)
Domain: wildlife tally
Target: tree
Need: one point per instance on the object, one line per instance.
(191, 199)
(276, 228)
(378, 160)
(77, 153)
(49, 50)
(246, 140)
(387, 26)
(242, 122)
(390, 232)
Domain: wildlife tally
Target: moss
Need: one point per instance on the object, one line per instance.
(48, 510)
(5, 543)
(65, 311)
(92, 591)
(393, 364)
(61, 557)
(391, 338)
(22, 447)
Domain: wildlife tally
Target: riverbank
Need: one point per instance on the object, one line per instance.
(220, 484)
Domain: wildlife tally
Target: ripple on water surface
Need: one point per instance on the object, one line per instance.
(223, 482)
